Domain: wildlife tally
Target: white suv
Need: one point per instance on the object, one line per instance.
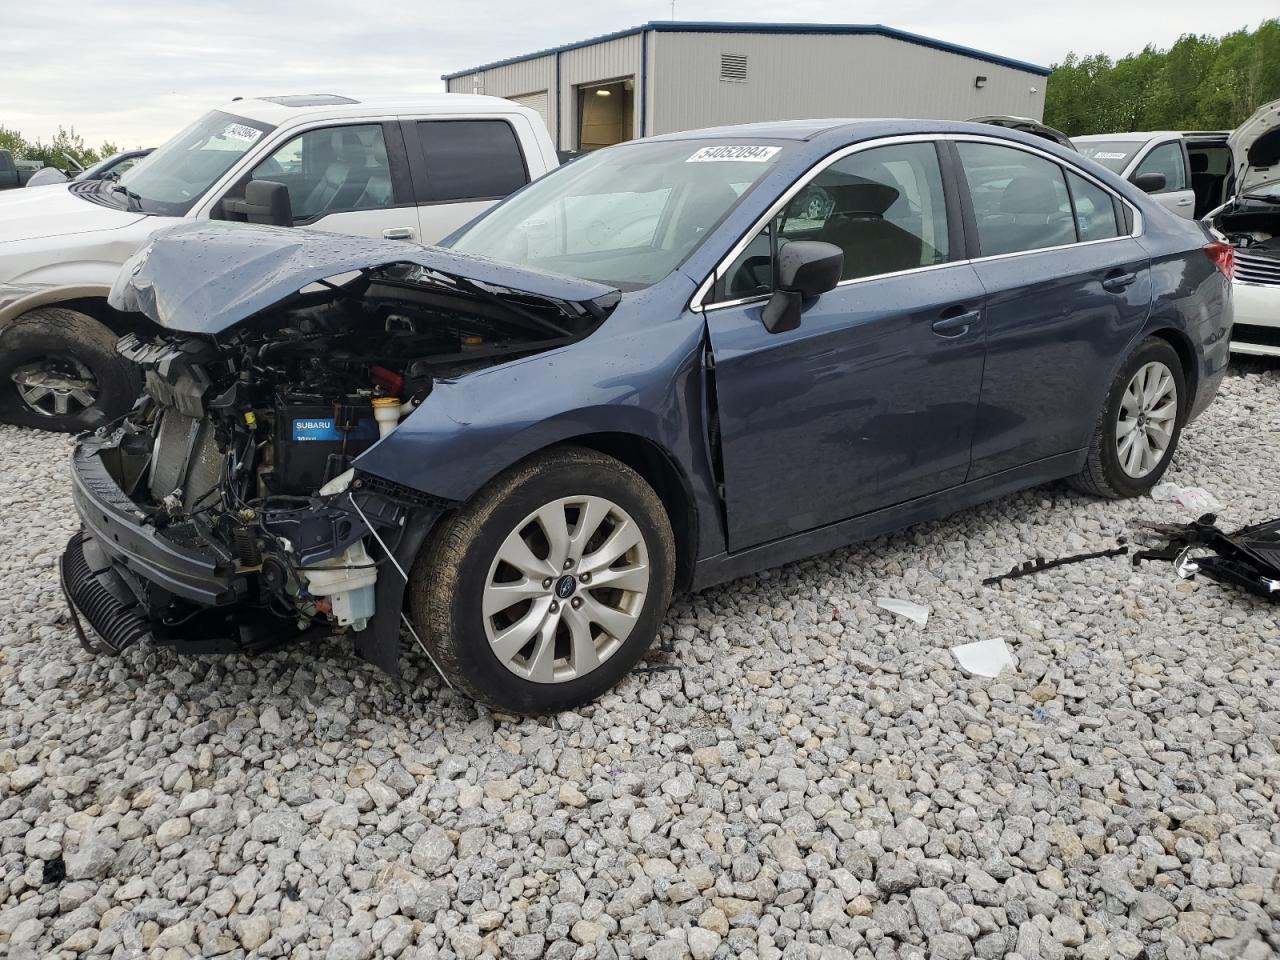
(1231, 180)
(406, 169)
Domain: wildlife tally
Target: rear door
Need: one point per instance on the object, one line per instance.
(871, 401)
(1067, 289)
(462, 166)
(1169, 158)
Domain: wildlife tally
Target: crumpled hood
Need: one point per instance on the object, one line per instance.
(30, 213)
(1255, 144)
(206, 277)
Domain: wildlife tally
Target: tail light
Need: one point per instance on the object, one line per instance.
(1223, 256)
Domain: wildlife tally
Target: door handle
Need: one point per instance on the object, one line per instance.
(398, 233)
(1118, 281)
(1186, 201)
(954, 326)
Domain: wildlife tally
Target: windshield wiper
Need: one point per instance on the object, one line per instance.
(133, 202)
(1265, 197)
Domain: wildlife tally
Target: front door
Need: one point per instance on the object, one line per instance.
(1169, 159)
(871, 401)
(1066, 290)
(352, 179)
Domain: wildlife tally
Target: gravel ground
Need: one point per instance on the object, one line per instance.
(795, 773)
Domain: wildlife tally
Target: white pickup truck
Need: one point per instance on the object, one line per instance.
(406, 169)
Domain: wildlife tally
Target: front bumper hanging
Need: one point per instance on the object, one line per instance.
(128, 579)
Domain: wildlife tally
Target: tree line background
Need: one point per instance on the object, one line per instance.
(1199, 83)
(66, 141)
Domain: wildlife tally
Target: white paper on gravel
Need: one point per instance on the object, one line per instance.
(986, 658)
(1196, 499)
(916, 612)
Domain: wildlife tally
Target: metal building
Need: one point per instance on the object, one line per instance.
(671, 75)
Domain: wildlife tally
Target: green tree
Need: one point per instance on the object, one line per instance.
(1199, 83)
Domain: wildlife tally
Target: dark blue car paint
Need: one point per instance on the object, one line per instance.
(175, 284)
(801, 472)
(863, 405)
(862, 420)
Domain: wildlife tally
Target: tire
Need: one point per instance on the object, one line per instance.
(72, 343)
(1104, 473)
(461, 566)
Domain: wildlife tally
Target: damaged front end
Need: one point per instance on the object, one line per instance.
(228, 511)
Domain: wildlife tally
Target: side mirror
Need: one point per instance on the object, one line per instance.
(265, 201)
(1149, 182)
(806, 269)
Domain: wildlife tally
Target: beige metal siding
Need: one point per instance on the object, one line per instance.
(539, 103)
(612, 60)
(513, 81)
(813, 75)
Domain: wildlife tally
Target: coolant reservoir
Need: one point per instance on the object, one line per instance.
(347, 581)
(386, 410)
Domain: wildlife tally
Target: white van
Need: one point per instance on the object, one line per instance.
(406, 169)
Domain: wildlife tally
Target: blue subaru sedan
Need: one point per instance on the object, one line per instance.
(670, 363)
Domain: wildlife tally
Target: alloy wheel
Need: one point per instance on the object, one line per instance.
(56, 387)
(565, 589)
(1146, 421)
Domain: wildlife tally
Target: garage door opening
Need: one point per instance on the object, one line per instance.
(605, 113)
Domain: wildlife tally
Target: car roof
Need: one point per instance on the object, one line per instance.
(851, 128)
(277, 110)
(861, 127)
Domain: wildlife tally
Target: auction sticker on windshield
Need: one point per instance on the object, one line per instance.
(749, 153)
(239, 131)
(1102, 155)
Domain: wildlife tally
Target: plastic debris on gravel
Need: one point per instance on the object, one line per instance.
(813, 780)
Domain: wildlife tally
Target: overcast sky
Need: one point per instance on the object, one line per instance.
(136, 71)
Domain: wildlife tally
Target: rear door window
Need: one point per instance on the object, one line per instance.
(1020, 200)
(1166, 159)
(469, 160)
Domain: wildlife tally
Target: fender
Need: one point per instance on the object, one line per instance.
(469, 430)
(33, 295)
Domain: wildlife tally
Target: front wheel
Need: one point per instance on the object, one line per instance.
(1138, 430)
(59, 370)
(549, 585)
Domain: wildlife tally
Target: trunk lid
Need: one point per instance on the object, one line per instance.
(1255, 145)
(204, 278)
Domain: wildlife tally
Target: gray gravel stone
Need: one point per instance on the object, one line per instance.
(815, 779)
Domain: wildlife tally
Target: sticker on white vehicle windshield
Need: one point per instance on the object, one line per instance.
(239, 131)
(747, 152)
(1109, 156)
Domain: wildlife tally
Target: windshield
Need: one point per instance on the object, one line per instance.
(174, 177)
(1268, 191)
(627, 215)
(1112, 154)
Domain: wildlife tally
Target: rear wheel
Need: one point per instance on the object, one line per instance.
(545, 589)
(1138, 430)
(59, 370)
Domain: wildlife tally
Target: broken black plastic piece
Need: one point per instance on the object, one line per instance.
(1028, 567)
(1248, 559)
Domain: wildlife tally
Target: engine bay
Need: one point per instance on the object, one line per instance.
(244, 441)
(1251, 225)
